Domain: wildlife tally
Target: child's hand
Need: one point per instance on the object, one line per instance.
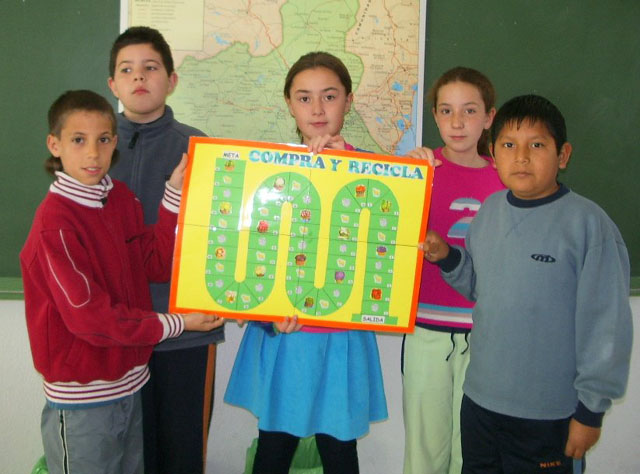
(177, 177)
(434, 247)
(581, 439)
(317, 144)
(289, 325)
(201, 321)
(424, 153)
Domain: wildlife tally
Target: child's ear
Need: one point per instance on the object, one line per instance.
(112, 85)
(490, 116)
(53, 144)
(173, 82)
(347, 107)
(493, 158)
(564, 155)
(288, 101)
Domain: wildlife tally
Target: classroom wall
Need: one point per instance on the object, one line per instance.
(233, 428)
(582, 54)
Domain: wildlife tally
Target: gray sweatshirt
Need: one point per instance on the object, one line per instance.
(552, 323)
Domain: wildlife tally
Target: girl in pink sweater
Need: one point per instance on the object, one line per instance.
(436, 355)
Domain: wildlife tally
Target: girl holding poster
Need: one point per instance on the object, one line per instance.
(302, 381)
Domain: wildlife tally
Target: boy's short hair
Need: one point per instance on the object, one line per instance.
(142, 35)
(535, 109)
(78, 100)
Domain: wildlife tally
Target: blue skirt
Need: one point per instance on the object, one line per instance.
(306, 383)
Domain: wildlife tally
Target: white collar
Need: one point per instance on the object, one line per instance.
(90, 196)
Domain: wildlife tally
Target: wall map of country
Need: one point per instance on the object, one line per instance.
(232, 58)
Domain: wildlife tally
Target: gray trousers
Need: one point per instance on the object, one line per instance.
(101, 440)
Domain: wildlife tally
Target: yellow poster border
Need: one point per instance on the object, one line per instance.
(408, 176)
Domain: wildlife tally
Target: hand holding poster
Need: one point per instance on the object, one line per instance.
(267, 231)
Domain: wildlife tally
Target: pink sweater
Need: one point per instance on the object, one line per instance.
(458, 192)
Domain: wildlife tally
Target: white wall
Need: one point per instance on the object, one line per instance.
(21, 398)
(233, 428)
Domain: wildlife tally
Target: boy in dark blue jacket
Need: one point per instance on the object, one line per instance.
(178, 400)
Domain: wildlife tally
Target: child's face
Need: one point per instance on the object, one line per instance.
(141, 82)
(461, 117)
(318, 101)
(85, 146)
(527, 159)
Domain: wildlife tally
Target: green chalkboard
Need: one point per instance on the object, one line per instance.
(47, 47)
(582, 54)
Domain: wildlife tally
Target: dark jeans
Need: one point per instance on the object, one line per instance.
(493, 443)
(176, 410)
(276, 449)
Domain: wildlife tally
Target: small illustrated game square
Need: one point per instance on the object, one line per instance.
(269, 230)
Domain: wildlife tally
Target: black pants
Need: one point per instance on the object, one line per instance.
(493, 443)
(276, 449)
(176, 410)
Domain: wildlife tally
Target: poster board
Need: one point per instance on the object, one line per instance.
(268, 230)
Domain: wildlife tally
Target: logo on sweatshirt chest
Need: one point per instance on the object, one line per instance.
(538, 257)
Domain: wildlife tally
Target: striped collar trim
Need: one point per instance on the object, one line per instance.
(89, 196)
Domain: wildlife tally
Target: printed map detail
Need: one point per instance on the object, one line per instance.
(232, 59)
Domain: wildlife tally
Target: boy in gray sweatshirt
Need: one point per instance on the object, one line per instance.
(552, 333)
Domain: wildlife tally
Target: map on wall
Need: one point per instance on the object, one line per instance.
(268, 230)
(232, 59)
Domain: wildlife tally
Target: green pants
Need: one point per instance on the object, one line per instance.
(434, 365)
